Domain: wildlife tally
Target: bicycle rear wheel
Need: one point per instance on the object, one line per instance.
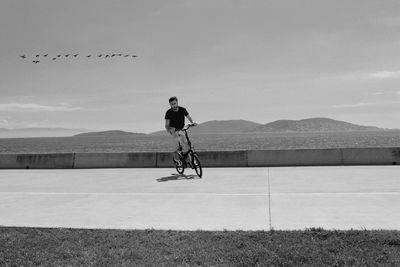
(197, 165)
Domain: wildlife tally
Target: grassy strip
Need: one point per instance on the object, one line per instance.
(83, 247)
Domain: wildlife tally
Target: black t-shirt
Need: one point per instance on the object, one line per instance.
(176, 118)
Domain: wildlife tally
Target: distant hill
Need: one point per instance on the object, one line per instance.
(209, 127)
(313, 125)
(228, 126)
(39, 132)
(306, 125)
(108, 133)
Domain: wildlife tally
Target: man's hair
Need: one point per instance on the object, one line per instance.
(173, 98)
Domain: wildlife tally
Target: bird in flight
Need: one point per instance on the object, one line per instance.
(55, 57)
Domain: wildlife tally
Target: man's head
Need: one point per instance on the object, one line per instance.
(173, 102)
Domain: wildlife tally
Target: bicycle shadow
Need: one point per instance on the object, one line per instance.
(176, 177)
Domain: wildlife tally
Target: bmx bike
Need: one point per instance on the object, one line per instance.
(191, 159)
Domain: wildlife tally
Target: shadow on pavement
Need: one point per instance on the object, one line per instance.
(176, 176)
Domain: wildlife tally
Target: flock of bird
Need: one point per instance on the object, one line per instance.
(60, 56)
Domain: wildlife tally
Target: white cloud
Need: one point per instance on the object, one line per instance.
(389, 21)
(385, 74)
(352, 105)
(388, 93)
(31, 107)
(17, 124)
(362, 104)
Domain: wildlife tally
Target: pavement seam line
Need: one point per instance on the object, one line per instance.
(201, 194)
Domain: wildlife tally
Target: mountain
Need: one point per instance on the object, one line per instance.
(39, 132)
(108, 133)
(219, 127)
(227, 126)
(306, 125)
(313, 125)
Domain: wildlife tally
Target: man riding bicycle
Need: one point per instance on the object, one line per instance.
(175, 121)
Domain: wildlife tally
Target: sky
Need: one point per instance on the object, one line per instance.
(257, 60)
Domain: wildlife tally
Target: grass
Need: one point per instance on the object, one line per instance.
(84, 247)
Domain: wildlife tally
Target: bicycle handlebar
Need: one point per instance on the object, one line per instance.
(186, 127)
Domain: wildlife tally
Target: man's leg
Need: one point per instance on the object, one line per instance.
(185, 148)
(177, 153)
(184, 144)
(176, 138)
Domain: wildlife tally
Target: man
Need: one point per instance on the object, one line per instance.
(175, 121)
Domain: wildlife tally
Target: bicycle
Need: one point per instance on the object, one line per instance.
(191, 158)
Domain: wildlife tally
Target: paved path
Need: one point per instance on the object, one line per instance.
(225, 198)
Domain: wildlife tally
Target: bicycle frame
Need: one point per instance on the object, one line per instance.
(187, 137)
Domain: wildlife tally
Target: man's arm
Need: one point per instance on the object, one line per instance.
(191, 120)
(168, 128)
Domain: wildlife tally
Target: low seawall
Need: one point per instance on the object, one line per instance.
(245, 158)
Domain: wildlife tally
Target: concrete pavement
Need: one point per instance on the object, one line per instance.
(340, 197)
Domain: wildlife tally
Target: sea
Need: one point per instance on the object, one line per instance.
(204, 142)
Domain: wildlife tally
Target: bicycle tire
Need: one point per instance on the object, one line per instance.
(197, 165)
(179, 165)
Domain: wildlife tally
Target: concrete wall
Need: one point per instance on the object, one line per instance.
(251, 158)
(224, 159)
(37, 161)
(115, 160)
(298, 157)
(371, 156)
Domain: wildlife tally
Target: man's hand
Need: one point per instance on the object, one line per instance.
(171, 130)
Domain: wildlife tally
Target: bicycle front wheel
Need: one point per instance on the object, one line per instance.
(197, 165)
(179, 165)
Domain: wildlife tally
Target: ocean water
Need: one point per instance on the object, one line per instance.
(203, 142)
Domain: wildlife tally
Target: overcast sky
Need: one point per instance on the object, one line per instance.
(253, 60)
